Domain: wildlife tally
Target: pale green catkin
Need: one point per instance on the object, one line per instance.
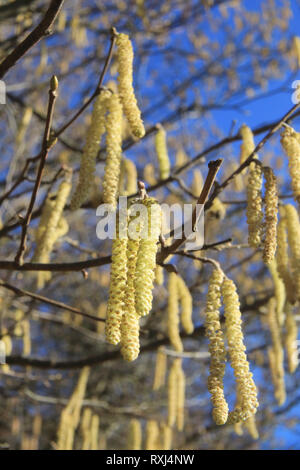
(162, 153)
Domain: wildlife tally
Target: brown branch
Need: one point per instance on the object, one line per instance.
(43, 29)
(46, 146)
(46, 300)
(58, 267)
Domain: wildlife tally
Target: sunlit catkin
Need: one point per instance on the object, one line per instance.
(152, 435)
(160, 369)
(135, 435)
(130, 320)
(293, 230)
(172, 393)
(186, 302)
(146, 259)
(216, 347)
(291, 146)
(282, 259)
(95, 432)
(271, 210)
(118, 276)
(128, 178)
(279, 291)
(290, 340)
(254, 205)
(167, 435)
(113, 124)
(162, 153)
(245, 385)
(125, 79)
(276, 355)
(180, 396)
(92, 145)
(248, 144)
(173, 313)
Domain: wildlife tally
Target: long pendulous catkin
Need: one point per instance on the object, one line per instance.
(152, 435)
(186, 303)
(180, 396)
(282, 259)
(95, 432)
(128, 178)
(271, 210)
(92, 145)
(125, 79)
(130, 320)
(279, 291)
(162, 153)
(293, 230)
(135, 435)
(160, 369)
(85, 428)
(291, 146)
(248, 144)
(173, 313)
(254, 205)
(146, 258)
(118, 277)
(246, 389)
(290, 340)
(276, 355)
(167, 436)
(113, 124)
(172, 393)
(216, 348)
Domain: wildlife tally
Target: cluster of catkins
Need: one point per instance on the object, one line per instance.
(246, 403)
(132, 275)
(107, 117)
(158, 436)
(70, 415)
(89, 426)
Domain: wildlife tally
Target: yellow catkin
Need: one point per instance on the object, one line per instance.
(146, 259)
(180, 396)
(162, 153)
(186, 302)
(125, 79)
(118, 277)
(26, 338)
(172, 393)
(130, 320)
(271, 210)
(279, 291)
(6, 346)
(296, 49)
(85, 428)
(290, 340)
(181, 158)
(197, 183)
(216, 348)
(70, 415)
(159, 275)
(254, 205)
(160, 369)
(173, 313)
(152, 435)
(26, 118)
(282, 259)
(276, 355)
(246, 389)
(291, 146)
(92, 145)
(250, 425)
(167, 435)
(95, 432)
(135, 435)
(248, 144)
(217, 209)
(293, 230)
(128, 178)
(113, 125)
(149, 174)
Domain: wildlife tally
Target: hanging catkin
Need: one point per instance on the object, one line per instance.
(283, 260)
(162, 152)
(216, 348)
(130, 320)
(180, 396)
(271, 210)
(173, 313)
(186, 302)
(159, 275)
(167, 437)
(125, 79)
(113, 124)
(92, 145)
(250, 425)
(85, 428)
(95, 432)
(290, 340)
(160, 369)
(172, 393)
(276, 355)
(293, 230)
(254, 205)
(135, 435)
(146, 258)
(291, 146)
(245, 385)
(248, 144)
(279, 291)
(152, 435)
(118, 276)
(128, 178)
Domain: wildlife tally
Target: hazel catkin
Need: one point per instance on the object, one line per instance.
(173, 313)
(291, 146)
(135, 435)
(125, 88)
(162, 153)
(254, 205)
(271, 209)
